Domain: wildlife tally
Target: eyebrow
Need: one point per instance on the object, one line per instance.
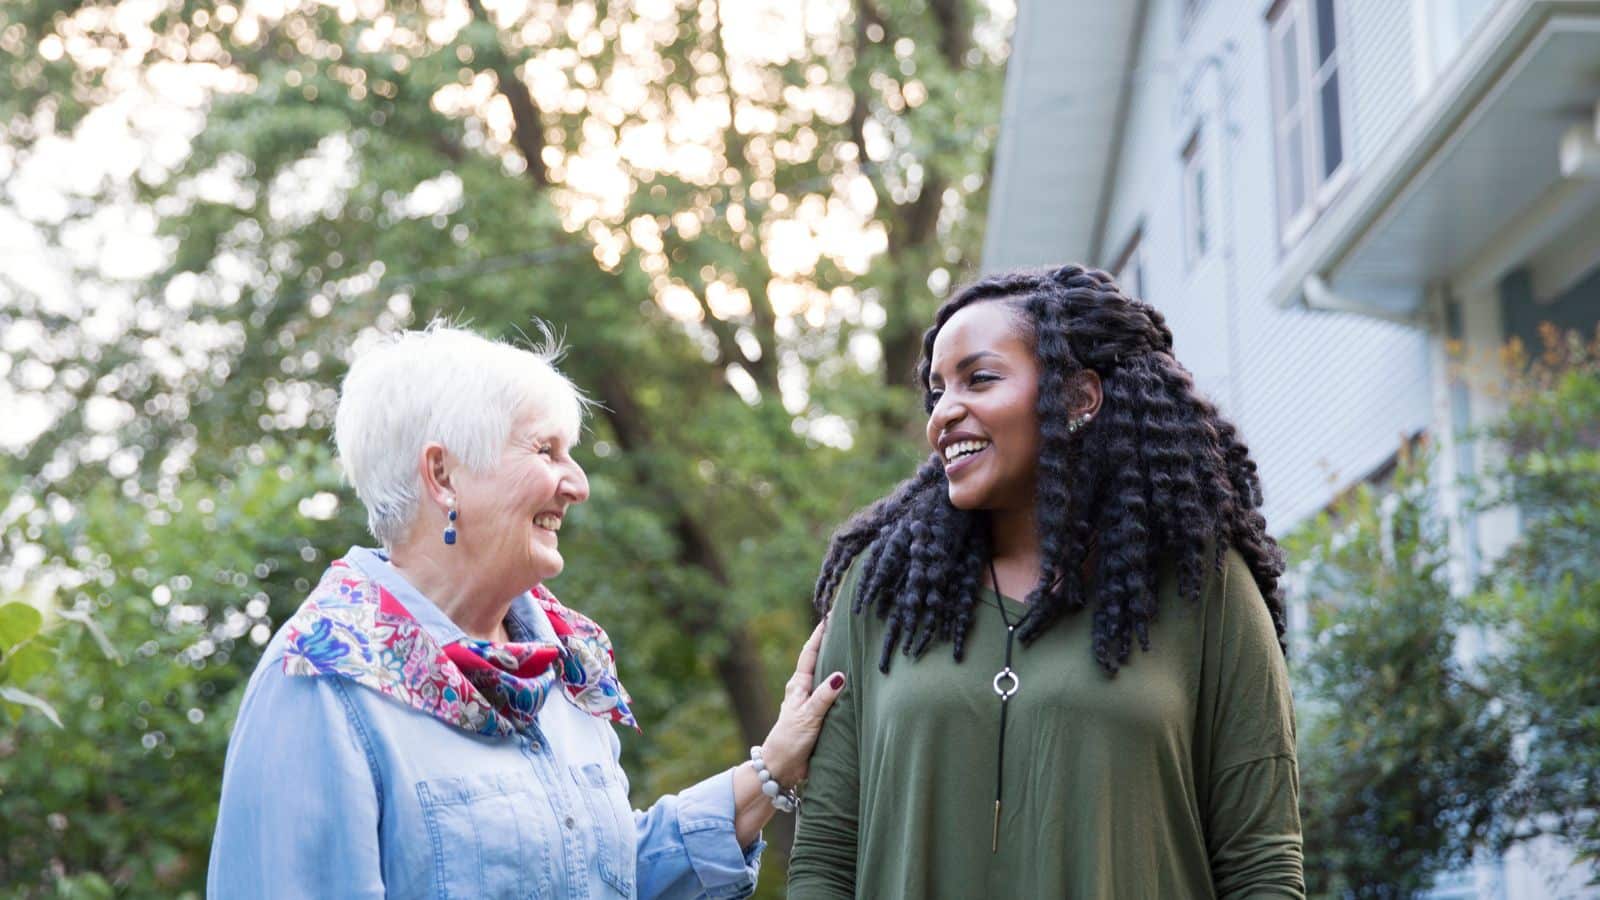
(965, 363)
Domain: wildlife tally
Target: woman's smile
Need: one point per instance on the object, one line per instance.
(963, 451)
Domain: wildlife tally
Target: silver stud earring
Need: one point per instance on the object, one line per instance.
(1074, 424)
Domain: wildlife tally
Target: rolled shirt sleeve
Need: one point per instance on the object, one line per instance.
(297, 738)
(687, 845)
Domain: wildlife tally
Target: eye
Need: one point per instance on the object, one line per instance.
(983, 377)
(547, 449)
(930, 398)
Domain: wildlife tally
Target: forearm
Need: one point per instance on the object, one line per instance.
(751, 808)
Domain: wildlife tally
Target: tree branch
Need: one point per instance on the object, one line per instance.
(765, 369)
(738, 664)
(527, 126)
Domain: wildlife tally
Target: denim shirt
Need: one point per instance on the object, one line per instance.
(334, 790)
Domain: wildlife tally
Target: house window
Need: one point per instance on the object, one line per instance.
(1443, 26)
(1128, 270)
(1307, 129)
(1196, 197)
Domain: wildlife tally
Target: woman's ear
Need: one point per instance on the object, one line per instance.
(434, 466)
(1084, 394)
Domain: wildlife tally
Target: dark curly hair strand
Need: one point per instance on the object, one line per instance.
(1158, 475)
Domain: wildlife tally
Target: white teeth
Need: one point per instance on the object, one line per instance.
(548, 522)
(962, 448)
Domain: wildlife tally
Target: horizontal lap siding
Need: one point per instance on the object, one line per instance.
(1322, 398)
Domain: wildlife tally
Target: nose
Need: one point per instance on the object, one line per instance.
(947, 412)
(575, 485)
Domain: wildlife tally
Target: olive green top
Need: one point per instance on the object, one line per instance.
(1175, 778)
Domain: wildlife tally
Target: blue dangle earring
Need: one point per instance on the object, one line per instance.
(450, 529)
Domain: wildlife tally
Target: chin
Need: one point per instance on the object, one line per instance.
(966, 499)
(551, 566)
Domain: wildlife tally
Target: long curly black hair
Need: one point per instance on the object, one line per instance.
(1157, 476)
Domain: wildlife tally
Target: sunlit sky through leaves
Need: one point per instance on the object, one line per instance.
(155, 109)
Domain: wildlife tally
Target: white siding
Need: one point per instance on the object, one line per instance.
(1381, 52)
(1322, 398)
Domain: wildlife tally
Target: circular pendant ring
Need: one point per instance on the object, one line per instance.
(1009, 689)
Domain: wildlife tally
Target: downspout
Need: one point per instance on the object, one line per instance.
(1216, 63)
(1230, 273)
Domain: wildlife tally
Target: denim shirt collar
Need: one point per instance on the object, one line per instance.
(522, 621)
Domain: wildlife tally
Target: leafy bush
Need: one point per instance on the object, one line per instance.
(1542, 598)
(1404, 755)
(24, 654)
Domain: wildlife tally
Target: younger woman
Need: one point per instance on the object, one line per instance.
(1001, 737)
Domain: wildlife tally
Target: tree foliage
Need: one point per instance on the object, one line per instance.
(1542, 597)
(1404, 756)
(738, 214)
(1438, 723)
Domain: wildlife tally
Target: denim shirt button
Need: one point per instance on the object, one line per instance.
(571, 823)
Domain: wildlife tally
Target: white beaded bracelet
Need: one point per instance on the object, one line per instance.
(785, 800)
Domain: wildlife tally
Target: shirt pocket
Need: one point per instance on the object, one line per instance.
(488, 836)
(611, 818)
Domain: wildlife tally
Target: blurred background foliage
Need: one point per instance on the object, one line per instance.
(740, 215)
(1439, 719)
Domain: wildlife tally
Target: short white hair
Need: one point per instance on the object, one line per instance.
(447, 385)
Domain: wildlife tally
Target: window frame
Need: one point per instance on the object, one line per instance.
(1306, 109)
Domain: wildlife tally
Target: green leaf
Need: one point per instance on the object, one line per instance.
(23, 698)
(27, 662)
(18, 622)
(95, 631)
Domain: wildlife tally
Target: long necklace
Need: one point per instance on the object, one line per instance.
(1006, 684)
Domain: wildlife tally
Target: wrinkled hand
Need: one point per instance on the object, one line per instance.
(787, 749)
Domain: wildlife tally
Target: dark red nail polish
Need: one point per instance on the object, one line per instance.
(836, 682)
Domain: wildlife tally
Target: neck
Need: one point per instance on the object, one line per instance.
(1016, 550)
(445, 575)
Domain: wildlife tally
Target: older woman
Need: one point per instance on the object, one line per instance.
(432, 722)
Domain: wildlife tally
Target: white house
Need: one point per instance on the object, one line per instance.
(1322, 196)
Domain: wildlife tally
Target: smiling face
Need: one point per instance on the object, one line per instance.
(984, 381)
(510, 514)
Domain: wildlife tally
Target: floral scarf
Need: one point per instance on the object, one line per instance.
(351, 627)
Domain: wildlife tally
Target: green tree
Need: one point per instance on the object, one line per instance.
(1542, 598)
(741, 237)
(1404, 757)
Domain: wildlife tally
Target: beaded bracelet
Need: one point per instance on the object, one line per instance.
(785, 800)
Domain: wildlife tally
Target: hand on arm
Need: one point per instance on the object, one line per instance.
(787, 749)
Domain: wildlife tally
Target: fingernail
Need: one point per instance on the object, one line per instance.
(837, 681)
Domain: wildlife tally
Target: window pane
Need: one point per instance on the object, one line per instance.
(1332, 138)
(1289, 64)
(1294, 171)
(1325, 33)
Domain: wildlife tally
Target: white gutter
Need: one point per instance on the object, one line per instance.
(1318, 296)
(1501, 39)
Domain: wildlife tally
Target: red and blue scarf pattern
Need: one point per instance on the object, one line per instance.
(351, 627)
